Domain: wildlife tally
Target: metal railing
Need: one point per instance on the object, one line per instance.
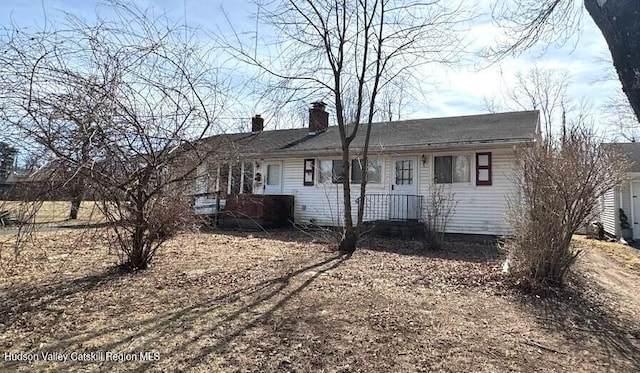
(395, 207)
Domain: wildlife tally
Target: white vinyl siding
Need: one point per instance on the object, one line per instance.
(609, 213)
(480, 209)
(322, 203)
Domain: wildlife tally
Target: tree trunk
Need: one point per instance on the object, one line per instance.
(349, 240)
(75, 206)
(619, 22)
(77, 195)
(138, 258)
(349, 236)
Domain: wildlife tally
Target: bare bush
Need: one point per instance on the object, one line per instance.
(560, 182)
(141, 230)
(20, 216)
(442, 206)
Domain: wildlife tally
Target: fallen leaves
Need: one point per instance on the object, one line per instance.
(284, 302)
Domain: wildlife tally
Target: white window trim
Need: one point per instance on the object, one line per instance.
(472, 166)
(330, 182)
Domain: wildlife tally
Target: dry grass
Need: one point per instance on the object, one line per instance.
(623, 254)
(252, 303)
(56, 212)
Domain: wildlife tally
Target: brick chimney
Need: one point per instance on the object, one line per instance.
(257, 123)
(318, 117)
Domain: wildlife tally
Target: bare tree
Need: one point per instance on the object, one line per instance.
(7, 159)
(544, 90)
(117, 104)
(554, 21)
(537, 89)
(560, 183)
(621, 118)
(349, 52)
(393, 101)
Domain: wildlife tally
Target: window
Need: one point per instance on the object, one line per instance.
(273, 174)
(223, 180)
(226, 179)
(404, 172)
(483, 168)
(309, 171)
(236, 179)
(202, 179)
(374, 171)
(247, 180)
(330, 170)
(452, 169)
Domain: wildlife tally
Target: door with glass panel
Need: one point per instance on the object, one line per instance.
(273, 178)
(403, 200)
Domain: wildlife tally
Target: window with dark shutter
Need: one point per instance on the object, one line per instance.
(483, 168)
(309, 172)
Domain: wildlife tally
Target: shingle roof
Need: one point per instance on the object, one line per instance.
(631, 149)
(255, 142)
(419, 133)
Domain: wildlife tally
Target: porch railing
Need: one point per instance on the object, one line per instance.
(395, 207)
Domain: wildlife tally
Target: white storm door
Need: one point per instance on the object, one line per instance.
(273, 178)
(403, 202)
(635, 205)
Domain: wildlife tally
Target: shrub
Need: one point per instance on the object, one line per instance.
(560, 182)
(441, 206)
(139, 233)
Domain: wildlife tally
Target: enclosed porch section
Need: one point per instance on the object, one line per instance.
(225, 195)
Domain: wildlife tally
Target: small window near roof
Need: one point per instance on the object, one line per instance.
(483, 168)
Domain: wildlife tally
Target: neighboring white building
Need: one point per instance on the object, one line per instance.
(625, 196)
(472, 156)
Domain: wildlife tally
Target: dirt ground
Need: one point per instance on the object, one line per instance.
(282, 302)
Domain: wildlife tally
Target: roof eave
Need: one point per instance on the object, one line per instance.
(402, 148)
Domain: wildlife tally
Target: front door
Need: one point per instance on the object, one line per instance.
(403, 199)
(273, 178)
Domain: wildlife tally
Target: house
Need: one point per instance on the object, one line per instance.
(472, 156)
(621, 204)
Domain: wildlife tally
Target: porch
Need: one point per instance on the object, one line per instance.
(248, 211)
(394, 215)
(392, 207)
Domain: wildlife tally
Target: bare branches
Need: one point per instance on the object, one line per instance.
(348, 52)
(528, 22)
(560, 183)
(117, 103)
(538, 89)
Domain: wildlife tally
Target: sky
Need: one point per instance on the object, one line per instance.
(449, 91)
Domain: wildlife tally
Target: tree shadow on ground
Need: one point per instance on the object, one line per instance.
(289, 234)
(475, 251)
(217, 320)
(23, 298)
(580, 318)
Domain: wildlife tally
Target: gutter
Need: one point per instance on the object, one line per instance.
(376, 149)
